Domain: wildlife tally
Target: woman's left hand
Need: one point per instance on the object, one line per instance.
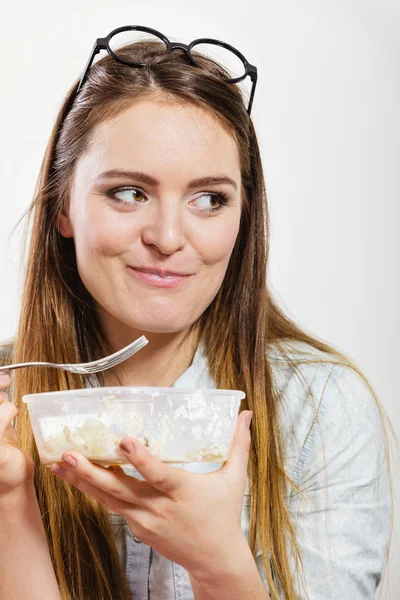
(189, 518)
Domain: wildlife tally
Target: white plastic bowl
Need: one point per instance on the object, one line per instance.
(176, 425)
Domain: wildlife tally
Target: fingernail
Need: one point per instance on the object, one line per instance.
(127, 446)
(70, 460)
(247, 419)
(56, 469)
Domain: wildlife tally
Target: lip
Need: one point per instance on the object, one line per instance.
(157, 278)
(160, 272)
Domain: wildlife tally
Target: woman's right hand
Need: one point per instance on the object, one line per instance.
(16, 467)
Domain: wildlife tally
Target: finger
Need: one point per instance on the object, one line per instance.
(4, 380)
(239, 455)
(119, 485)
(7, 413)
(158, 474)
(116, 469)
(112, 502)
(123, 508)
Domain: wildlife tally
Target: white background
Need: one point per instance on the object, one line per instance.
(327, 114)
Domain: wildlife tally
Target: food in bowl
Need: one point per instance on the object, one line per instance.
(176, 425)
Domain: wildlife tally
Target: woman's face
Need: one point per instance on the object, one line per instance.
(164, 213)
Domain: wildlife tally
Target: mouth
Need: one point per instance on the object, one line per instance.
(160, 272)
(158, 278)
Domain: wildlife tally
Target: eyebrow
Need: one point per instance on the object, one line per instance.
(149, 180)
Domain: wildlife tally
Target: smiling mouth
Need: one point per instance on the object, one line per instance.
(157, 279)
(160, 272)
(157, 276)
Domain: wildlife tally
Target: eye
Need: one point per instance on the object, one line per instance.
(212, 201)
(127, 195)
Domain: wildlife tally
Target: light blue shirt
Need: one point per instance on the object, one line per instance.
(342, 517)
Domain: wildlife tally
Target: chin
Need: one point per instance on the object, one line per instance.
(156, 325)
(161, 328)
(156, 321)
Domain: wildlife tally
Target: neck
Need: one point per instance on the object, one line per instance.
(158, 364)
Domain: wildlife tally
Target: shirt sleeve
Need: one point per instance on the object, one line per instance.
(342, 513)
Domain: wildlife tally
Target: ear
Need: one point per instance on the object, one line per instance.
(64, 225)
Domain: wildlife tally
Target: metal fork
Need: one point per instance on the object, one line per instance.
(90, 367)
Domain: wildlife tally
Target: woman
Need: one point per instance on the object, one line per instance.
(153, 168)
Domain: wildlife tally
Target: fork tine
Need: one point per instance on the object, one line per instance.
(107, 365)
(122, 354)
(96, 368)
(114, 359)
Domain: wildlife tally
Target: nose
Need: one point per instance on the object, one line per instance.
(164, 229)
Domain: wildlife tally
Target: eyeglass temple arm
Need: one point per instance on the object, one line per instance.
(253, 77)
(101, 44)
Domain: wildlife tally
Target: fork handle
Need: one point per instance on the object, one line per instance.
(27, 364)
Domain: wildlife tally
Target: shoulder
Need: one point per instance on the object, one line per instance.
(304, 375)
(6, 349)
(326, 406)
(335, 454)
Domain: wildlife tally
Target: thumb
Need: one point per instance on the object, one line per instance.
(239, 455)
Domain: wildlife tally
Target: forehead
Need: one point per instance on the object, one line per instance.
(168, 137)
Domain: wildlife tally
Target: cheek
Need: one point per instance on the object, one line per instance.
(101, 237)
(216, 244)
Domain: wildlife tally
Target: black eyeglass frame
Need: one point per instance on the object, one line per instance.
(104, 44)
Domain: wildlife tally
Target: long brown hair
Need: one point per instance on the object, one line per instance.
(58, 322)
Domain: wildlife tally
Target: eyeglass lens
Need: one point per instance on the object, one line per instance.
(227, 59)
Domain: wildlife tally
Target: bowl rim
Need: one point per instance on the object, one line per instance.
(115, 390)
